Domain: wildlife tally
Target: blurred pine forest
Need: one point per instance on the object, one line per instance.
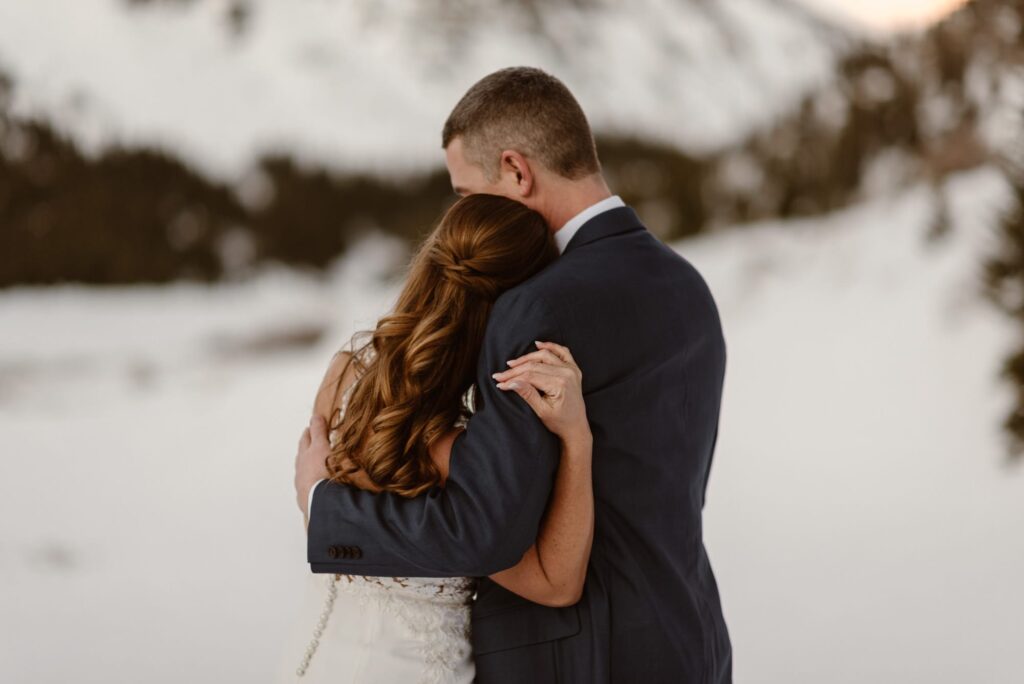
(896, 112)
(915, 107)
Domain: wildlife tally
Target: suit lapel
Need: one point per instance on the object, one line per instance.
(611, 222)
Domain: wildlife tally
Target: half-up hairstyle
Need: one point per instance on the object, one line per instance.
(409, 391)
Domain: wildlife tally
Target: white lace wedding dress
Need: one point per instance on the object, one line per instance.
(389, 630)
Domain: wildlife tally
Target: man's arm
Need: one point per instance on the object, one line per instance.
(487, 515)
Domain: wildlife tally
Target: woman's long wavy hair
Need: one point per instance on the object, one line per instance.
(409, 393)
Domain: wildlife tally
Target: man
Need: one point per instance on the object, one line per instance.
(644, 328)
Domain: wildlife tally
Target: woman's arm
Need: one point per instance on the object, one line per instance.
(553, 570)
(333, 384)
(339, 375)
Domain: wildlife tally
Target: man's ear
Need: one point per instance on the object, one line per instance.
(516, 172)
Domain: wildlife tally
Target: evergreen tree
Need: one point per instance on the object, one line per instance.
(1004, 280)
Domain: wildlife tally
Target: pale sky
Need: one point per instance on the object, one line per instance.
(887, 14)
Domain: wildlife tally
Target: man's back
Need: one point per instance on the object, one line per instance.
(644, 329)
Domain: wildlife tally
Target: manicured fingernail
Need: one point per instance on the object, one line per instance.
(538, 342)
(512, 362)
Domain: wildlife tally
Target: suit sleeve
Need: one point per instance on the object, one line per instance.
(501, 473)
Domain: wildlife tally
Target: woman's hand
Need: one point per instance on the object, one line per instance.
(552, 384)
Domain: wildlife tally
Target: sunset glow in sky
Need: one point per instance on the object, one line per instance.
(888, 14)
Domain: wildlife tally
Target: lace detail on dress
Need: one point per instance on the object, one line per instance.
(436, 610)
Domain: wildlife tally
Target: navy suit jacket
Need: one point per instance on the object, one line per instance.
(644, 328)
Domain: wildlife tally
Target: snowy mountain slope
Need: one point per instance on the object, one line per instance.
(915, 106)
(859, 519)
(367, 85)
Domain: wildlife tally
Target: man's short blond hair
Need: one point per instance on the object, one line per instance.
(527, 110)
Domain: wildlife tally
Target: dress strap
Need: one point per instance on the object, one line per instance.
(318, 631)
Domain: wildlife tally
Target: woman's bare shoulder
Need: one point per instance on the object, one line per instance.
(339, 375)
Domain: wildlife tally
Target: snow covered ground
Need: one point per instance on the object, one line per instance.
(860, 520)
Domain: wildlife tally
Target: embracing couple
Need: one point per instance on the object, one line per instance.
(504, 481)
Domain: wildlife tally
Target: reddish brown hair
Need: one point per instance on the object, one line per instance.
(409, 392)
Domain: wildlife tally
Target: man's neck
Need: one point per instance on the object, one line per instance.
(573, 197)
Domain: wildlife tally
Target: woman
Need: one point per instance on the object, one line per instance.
(395, 405)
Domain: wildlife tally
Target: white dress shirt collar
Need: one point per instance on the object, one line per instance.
(565, 233)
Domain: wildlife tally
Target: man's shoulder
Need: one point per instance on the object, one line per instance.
(535, 295)
(632, 262)
(524, 300)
